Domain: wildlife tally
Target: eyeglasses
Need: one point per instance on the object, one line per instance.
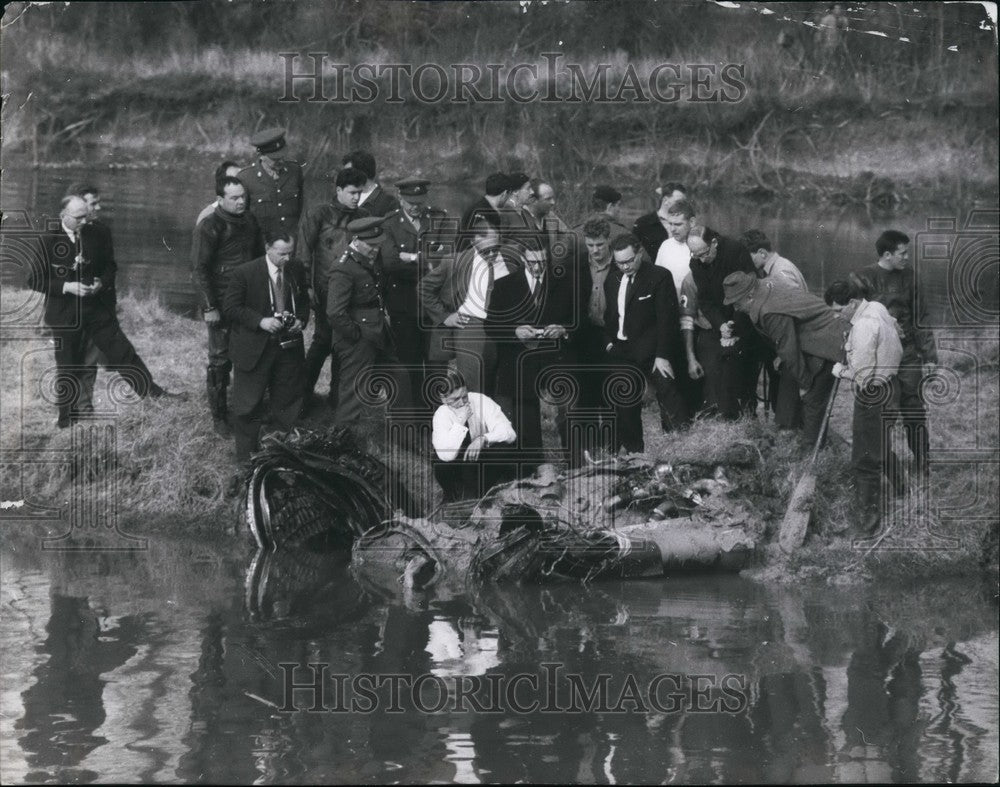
(629, 261)
(703, 255)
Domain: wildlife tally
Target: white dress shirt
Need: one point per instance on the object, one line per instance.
(481, 281)
(487, 420)
(623, 286)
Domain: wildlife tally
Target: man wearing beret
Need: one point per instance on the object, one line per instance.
(807, 335)
(414, 245)
(605, 203)
(357, 314)
(273, 184)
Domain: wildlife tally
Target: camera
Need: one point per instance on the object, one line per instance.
(286, 339)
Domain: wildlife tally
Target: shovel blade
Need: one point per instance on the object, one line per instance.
(796, 521)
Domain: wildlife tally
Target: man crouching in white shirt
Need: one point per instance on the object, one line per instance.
(468, 427)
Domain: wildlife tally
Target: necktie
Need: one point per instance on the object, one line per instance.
(536, 291)
(279, 292)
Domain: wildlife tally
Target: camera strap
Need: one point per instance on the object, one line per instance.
(280, 296)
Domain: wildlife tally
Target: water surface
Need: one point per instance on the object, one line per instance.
(173, 664)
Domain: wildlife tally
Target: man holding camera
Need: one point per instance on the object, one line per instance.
(267, 305)
(74, 271)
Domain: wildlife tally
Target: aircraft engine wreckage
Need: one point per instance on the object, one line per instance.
(621, 518)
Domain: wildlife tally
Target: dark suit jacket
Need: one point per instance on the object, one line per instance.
(56, 265)
(651, 233)
(652, 315)
(247, 301)
(443, 290)
(380, 203)
(511, 304)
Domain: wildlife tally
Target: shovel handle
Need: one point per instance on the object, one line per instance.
(826, 420)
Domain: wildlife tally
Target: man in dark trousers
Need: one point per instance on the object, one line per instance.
(721, 345)
(224, 240)
(92, 357)
(79, 310)
(357, 315)
(374, 199)
(530, 316)
(642, 332)
(414, 245)
(807, 335)
(890, 281)
(273, 184)
(323, 237)
(455, 302)
(267, 304)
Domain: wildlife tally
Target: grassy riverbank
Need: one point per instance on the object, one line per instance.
(171, 469)
(910, 112)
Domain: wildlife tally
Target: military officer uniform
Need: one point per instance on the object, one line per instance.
(413, 246)
(361, 335)
(274, 185)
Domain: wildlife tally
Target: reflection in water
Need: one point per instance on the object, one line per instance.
(176, 665)
(64, 707)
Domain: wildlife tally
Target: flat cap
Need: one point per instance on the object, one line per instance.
(367, 228)
(607, 194)
(412, 187)
(269, 140)
(737, 286)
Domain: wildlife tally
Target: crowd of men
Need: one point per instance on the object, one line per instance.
(484, 316)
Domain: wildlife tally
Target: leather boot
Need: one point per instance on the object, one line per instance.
(868, 510)
(218, 382)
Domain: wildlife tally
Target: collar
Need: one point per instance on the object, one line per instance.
(272, 269)
(68, 231)
(599, 268)
(858, 313)
(367, 192)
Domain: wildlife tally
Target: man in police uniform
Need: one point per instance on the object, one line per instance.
(360, 323)
(413, 246)
(274, 185)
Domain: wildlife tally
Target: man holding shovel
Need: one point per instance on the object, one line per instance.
(874, 351)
